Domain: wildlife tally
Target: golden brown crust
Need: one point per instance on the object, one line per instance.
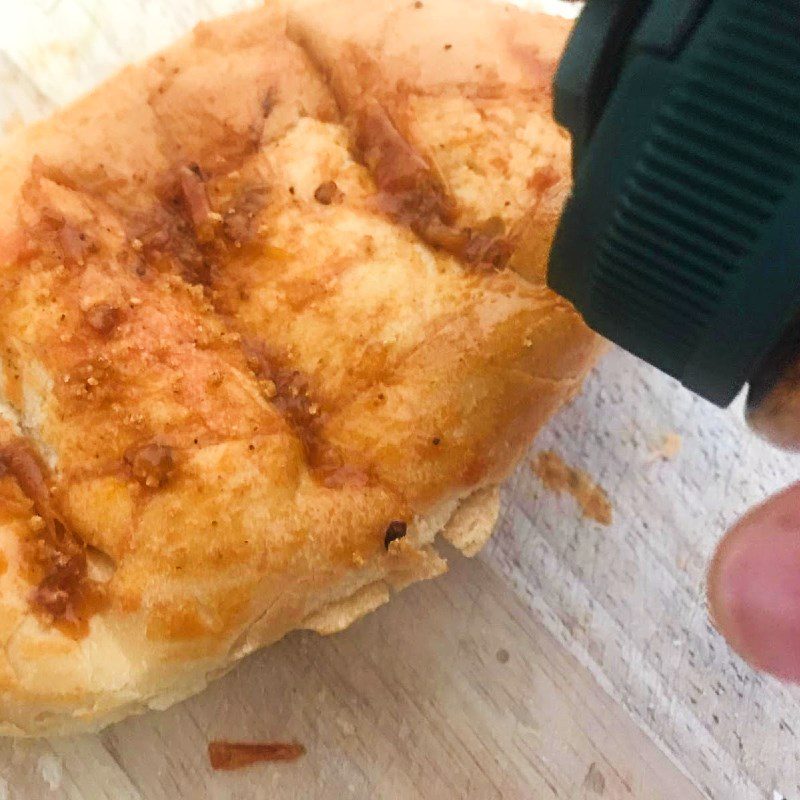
(241, 359)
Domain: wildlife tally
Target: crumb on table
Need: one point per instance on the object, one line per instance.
(669, 447)
(236, 755)
(559, 477)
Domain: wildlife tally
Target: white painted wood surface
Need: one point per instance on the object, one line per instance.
(615, 684)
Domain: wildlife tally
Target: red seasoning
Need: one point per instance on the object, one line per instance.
(64, 593)
(237, 755)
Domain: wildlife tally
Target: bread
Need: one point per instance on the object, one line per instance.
(263, 339)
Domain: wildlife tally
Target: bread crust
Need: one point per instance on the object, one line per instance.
(256, 310)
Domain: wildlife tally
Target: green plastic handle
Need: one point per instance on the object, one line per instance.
(681, 240)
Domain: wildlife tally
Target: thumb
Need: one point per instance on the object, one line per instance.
(754, 586)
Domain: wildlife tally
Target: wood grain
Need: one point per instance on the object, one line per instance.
(629, 601)
(615, 685)
(450, 691)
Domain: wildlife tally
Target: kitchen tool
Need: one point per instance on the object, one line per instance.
(681, 240)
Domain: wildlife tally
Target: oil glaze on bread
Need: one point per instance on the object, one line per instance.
(261, 342)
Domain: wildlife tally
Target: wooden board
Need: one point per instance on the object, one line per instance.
(452, 691)
(615, 684)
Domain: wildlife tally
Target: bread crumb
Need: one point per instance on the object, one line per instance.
(669, 448)
(236, 755)
(51, 770)
(559, 477)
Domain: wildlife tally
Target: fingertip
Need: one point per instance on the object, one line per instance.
(754, 586)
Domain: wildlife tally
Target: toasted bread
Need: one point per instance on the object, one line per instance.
(261, 341)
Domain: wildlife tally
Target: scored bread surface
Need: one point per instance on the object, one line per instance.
(264, 336)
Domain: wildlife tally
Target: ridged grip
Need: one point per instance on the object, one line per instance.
(690, 244)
